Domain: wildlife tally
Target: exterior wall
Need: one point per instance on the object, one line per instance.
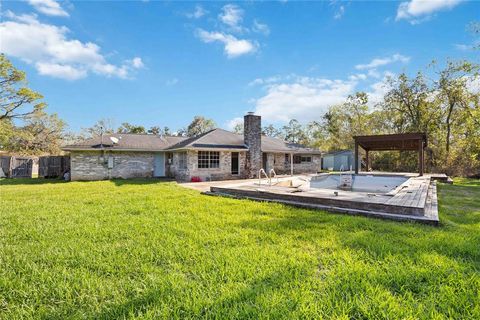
(93, 165)
(207, 174)
(277, 160)
(252, 134)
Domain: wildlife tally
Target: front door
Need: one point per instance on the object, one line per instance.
(159, 165)
(234, 162)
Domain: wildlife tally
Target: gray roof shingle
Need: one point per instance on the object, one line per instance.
(213, 139)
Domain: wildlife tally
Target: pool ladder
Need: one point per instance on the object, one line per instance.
(269, 176)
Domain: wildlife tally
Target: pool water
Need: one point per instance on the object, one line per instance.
(360, 183)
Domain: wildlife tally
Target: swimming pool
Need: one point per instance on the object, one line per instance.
(360, 183)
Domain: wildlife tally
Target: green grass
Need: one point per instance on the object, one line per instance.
(150, 249)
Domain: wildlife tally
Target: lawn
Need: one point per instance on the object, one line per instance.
(150, 249)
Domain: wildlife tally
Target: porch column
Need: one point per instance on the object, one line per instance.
(356, 158)
(420, 156)
(367, 158)
(291, 164)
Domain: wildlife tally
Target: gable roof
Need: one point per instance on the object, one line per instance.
(127, 142)
(213, 139)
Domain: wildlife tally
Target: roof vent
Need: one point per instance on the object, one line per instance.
(250, 113)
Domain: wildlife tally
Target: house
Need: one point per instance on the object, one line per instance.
(214, 155)
(341, 160)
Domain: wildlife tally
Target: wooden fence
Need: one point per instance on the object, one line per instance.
(25, 167)
(18, 167)
(53, 166)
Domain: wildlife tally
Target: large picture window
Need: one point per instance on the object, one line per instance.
(208, 159)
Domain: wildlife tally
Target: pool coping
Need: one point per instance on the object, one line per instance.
(426, 211)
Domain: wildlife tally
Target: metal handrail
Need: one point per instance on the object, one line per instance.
(270, 176)
(260, 176)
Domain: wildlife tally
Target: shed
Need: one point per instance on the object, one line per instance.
(341, 160)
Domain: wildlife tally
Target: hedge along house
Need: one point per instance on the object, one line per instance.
(215, 155)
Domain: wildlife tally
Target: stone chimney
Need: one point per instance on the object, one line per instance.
(252, 135)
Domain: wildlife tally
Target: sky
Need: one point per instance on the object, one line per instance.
(161, 63)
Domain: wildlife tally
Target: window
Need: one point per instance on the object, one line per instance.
(208, 159)
(306, 159)
(302, 159)
(182, 160)
(287, 159)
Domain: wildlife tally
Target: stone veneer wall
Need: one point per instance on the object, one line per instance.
(93, 165)
(252, 135)
(222, 173)
(277, 160)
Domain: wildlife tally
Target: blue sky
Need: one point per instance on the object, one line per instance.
(161, 63)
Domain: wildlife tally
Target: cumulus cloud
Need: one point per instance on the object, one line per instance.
(53, 53)
(232, 16)
(418, 10)
(303, 99)
(378, 62)
(49, 7)
(308, 98)
(260, 28)
(233, 47)
(197, 13)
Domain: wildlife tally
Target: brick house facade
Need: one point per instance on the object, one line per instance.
(214, 155)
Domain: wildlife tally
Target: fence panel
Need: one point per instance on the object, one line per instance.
(21, 167)
(53, 166)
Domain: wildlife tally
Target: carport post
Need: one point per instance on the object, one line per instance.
(291, 164)
(420, 156)
(367, 159)
(356, 157)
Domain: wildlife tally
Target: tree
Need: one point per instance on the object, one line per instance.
(238, 129)
(293, 132)
(155, 130)
(102, 126)
(159, 131)
(271, 131)
(16, 100)
(453, 95)
(200, 125)
(130, 128)
(41, 134)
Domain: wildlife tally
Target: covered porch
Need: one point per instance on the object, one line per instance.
(391, 142)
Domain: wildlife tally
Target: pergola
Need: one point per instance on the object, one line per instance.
(389, 142)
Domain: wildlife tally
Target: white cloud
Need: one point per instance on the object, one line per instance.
(137, 63)
(339, 13)
(171, 82)
(197, 13)
(308, 98)
(378, 62)
(49, 7)
(231, 124)
(260, 28)
(233, 47)
(304, 99)
(49, 49)
(60, 71)
(232, 16)
(417, 10)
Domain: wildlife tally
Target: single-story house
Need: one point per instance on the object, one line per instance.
(341, 160)
(214, 155)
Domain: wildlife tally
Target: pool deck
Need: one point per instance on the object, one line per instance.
(414, 200)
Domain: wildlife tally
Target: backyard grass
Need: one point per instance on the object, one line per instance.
(150, 249)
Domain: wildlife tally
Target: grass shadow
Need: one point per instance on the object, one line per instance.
(29, 181)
